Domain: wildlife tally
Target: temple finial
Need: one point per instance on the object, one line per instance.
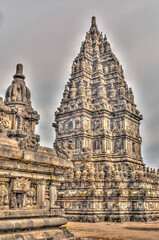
(93, 21)
(19, 71)
(19, 68)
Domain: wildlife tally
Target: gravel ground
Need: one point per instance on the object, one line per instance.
(115, 231)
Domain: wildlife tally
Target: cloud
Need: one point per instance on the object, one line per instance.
(1, 18)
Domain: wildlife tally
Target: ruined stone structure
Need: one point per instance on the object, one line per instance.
(97, 127)
(29, 173)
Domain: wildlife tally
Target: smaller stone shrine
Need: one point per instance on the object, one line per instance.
(29, 173)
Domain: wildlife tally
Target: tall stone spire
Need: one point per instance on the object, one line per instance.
(102, 104)
(97, 127)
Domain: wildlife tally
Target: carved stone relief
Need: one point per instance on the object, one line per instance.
(4, 194)
(30, 142)
(22, 193)
(4, 120)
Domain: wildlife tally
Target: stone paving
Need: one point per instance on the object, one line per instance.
(114, 231)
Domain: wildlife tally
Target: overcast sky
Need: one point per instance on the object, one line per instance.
(45, 36)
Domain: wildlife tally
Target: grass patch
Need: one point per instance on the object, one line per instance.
(67, 227)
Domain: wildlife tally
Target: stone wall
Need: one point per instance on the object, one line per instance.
(110, 192)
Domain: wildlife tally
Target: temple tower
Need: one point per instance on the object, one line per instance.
(97, 119)
(97, 127)
(22, 118)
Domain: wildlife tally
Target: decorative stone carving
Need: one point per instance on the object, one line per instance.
(31, 196)
(30, 142)
(21, 185)
(85, 154)
(62, 150)
(3, 195)
(4, 120)
(22, 193)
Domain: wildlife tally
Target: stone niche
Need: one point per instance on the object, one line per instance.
(29, 173)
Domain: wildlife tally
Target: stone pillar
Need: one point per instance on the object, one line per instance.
(53, 194)
(43, 187)
(4, 193)
(20, 124)
(14, 122)
(41, 193)
(83, 142)
(103, 145)
(124, 145)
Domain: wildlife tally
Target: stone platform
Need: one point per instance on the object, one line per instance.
(34, 228)
(30, 223)
(40, 234)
